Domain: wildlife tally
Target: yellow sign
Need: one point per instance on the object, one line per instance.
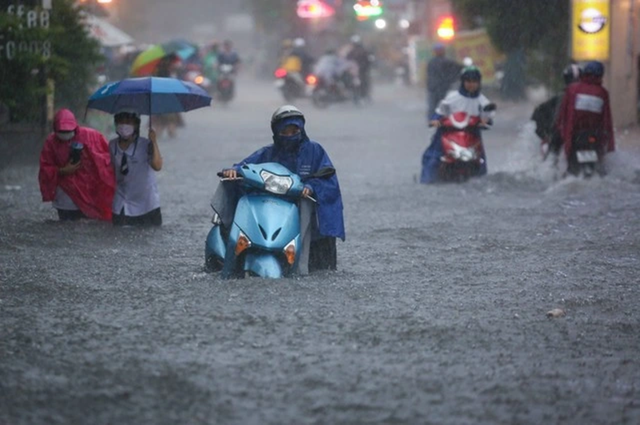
(591, 29)
(477, 46)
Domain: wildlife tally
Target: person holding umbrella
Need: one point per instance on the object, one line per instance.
(135, 160)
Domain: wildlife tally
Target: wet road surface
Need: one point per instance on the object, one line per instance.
(437, 313)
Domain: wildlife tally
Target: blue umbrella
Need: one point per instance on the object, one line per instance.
(149, 96)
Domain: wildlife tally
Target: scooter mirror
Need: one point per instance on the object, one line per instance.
(490, 107)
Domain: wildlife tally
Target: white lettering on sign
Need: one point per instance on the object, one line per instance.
(29, 18)
(587, 102)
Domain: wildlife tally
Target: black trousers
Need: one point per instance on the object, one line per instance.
(70, 215)
(152, 218)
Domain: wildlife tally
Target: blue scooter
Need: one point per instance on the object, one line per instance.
(265, 237)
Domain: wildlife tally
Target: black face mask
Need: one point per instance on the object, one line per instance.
(289, 143)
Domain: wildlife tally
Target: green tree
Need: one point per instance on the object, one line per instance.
(272, 16)
(533, 31)
(71, 62)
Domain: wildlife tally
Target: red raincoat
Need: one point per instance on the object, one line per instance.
(93, 185)
(585, 107)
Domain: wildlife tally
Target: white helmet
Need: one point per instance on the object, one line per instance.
(299, 42)
(356, 39)
(285, 111)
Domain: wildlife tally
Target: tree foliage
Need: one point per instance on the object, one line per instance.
(538, 28)
(273, 16)
(71, 65)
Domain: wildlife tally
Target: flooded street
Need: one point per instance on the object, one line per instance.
(437, 313)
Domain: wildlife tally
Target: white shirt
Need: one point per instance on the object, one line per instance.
(471, 106)
(137, 192)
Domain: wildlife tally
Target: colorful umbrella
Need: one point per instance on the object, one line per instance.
(149, 96)
(147, 61)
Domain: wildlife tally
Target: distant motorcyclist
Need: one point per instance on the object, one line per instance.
(228, 56)
(441, 73)
(335, 71)
(210, 67)
(306, 60)
(468, 100)
(364, 59)
(585, 112)
(545, 115)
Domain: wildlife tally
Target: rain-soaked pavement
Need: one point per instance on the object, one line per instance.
(436, 315)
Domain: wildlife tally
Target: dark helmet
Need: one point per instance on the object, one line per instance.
(470, 73)
(127, 114)
(283, 112)
(594, 68)
(571, 74)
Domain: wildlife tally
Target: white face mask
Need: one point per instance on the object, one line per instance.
(125, 130)
(65, 135)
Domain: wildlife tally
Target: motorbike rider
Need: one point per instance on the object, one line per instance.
(210, 66)
(364, 59)
(293, 149)
(228, 56)
(545, 115)
(306, 60)
(467, 99)
(336, 71)
(585, 112)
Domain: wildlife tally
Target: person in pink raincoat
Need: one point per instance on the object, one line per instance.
(82, 188)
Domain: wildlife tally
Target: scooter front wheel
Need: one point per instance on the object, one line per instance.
(212, 264)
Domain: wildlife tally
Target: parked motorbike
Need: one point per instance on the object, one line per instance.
(225, 86)
(293, 85)
(461, 143)
(345, 89)
(585, 158)
(265, 237)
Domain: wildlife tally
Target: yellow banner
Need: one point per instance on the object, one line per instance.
(477, 46)
(591, 29)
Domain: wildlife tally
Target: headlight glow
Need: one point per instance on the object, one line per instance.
(276, 184)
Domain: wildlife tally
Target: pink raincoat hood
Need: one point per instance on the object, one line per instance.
(64, 121)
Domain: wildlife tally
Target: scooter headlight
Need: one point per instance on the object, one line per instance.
(463, 154)
(290, 252)
(276, 184)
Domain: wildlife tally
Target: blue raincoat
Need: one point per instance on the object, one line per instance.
(431, 156)
(309, 158)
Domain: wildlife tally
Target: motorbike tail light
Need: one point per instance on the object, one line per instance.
(290, 252)
(311, 80)
(592, 139)
(280, 73)
(242, 244)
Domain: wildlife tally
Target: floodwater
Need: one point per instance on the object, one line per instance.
(437, 314)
